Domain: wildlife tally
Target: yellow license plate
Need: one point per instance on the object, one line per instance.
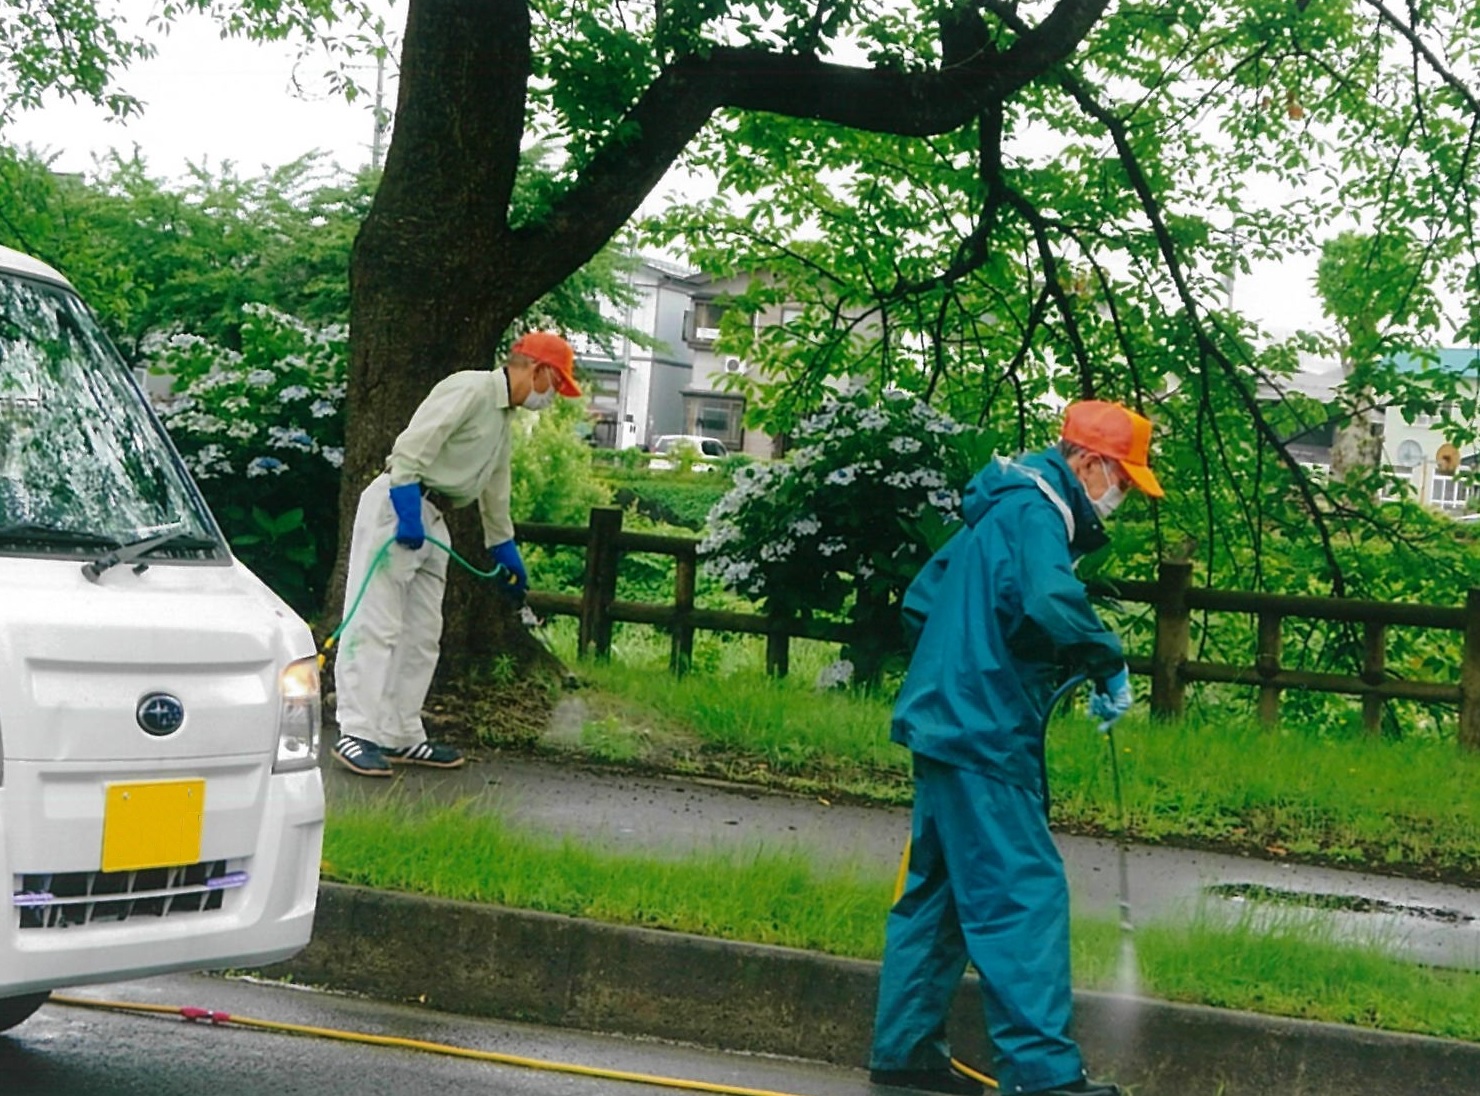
(152, 825)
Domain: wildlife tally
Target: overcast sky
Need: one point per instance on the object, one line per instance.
(210, 101)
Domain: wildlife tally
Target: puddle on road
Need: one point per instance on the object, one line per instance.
(1351, 903)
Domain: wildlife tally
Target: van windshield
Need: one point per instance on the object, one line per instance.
(83, 465)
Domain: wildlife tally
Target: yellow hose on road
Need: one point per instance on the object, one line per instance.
(224, 1018)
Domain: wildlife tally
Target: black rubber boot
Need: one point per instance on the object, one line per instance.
(1082, 1087)
(947, 1079)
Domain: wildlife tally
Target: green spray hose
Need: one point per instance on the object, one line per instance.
(375, 562)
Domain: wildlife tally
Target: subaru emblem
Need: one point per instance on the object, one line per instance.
(160, 714)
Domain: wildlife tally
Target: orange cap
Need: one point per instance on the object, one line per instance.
(552, 350)
(1116, 432)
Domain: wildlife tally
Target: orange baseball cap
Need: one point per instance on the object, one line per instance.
(552, 350)
(1118, 433)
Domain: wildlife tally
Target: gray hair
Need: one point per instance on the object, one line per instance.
(1067, 449)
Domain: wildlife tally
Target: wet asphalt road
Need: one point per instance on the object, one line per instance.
(67, 1051)
(1432, 923)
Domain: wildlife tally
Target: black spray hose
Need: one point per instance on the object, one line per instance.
(1053, 702)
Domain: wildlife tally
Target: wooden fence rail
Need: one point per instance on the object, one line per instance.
(1172, 596)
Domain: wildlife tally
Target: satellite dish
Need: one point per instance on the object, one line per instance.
(1447, 458)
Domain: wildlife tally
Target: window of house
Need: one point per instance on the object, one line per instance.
(704, 322)
(1410, 454)
(717, 418)
(605, 389)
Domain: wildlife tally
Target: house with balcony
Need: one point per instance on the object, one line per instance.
(1413, 449)
(1416, 449)
(676, 385)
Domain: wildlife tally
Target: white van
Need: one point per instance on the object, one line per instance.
(161, 806)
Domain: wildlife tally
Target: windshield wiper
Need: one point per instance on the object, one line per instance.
(26, 532)
(134, 549)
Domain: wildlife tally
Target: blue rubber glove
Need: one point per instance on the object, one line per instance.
(407, 502)
(1112, 699)
(506, 555)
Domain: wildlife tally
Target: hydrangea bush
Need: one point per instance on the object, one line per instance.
(262, 431)
(840, 527)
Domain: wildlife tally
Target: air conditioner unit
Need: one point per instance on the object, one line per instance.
(734, 365)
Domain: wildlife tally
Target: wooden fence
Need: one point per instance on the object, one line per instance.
(1173, 598)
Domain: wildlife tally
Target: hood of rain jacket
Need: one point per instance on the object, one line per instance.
(998, 614)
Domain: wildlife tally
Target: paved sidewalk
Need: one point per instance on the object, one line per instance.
(1432, 923)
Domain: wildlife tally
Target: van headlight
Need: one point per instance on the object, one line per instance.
(298, 716)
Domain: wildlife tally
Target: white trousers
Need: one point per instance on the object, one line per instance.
(389, 649)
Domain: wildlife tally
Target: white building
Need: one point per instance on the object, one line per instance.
(676, 386)
(1417, 449)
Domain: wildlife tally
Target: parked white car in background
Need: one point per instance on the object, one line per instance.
(667, 447)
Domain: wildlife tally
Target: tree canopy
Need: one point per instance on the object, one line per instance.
(982, 201)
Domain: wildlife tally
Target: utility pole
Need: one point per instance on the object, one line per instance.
(380, 113)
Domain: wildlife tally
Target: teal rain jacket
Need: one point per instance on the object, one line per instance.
(999, 615)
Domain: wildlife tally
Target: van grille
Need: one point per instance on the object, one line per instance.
(63, 899)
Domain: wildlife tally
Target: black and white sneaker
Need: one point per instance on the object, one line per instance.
(435, 754)
(359, 756)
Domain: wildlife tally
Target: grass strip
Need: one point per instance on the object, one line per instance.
(1286, 965)
(1332, 796)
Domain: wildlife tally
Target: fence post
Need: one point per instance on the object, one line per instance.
(1374, 659)
(1469, 675)
(778, 647)
(601, 581)
(685, 568)
(1173, 637)
(1267, 663)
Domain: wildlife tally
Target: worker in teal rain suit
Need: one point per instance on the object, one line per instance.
(1000, 617)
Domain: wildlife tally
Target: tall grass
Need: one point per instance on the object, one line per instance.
(1322, 793)
(1289, 968)
(1347, 799)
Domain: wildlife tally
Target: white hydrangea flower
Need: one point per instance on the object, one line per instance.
(260, 378)
(807, 526)
(293, 392)
(944, 501)
(334, 455)
(905, 444)
(842, 477)
(834, 675)
(321, 409)
(290, 437)
(777, 550)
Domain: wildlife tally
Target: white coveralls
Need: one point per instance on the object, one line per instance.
(457, 445)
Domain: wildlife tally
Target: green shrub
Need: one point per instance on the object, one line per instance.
(552, 476)
(262, 431)
(672, 498)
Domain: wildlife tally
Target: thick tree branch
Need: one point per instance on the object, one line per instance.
(684, 96)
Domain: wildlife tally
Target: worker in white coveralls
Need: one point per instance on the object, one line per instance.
(454, 451)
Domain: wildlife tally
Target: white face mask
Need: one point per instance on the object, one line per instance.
(537, 400)
(1112, 496)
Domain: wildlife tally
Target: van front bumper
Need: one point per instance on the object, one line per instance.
(268, 826)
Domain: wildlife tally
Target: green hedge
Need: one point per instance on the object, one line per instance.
(672, 498)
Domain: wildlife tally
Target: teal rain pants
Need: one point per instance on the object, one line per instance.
(986, 882)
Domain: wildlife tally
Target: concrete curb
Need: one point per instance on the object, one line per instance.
(483, 960)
